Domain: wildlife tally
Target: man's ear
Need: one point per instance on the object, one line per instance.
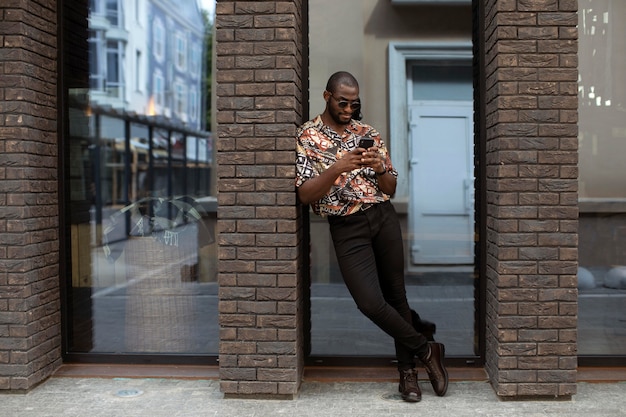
(326, 95)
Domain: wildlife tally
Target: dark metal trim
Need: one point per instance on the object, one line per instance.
(136, 359)
(478, 39)
(379, 361)
(612, 361)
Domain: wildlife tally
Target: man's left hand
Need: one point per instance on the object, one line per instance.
(371, 158)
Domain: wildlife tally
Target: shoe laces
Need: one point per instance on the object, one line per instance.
(410, 376)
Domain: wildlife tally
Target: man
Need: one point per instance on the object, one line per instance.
(350, 182)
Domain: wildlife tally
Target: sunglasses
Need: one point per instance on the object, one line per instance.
(342, 104)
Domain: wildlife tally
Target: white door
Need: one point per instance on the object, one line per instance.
(441, 211)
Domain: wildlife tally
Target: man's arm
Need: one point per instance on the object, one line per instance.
(315, 188)
(386, 181)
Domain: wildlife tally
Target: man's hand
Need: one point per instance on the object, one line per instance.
(372, 159)
(349, 161)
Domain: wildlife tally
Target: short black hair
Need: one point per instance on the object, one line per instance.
(341, 78)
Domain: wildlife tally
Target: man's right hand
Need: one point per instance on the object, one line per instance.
(349, 161)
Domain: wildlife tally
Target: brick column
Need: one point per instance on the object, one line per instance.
(259, 106)
(30, 328)
(532, 206)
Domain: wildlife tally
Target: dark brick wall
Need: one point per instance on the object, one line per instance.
(530, 56)
(30, 328)
(260, 92)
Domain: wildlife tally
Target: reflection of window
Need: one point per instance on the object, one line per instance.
(159, 40)
(138, 81)
(158, 92)
(137, 11)
(193, 104)
(109, 9)
(181, 52)
(113, 12)
(114, 66)
(179, 99)
(96, 60)
(106, 65)
(195, 60)
(596, 34)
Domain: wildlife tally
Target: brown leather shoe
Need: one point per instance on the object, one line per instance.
(437, 373)
(409, 388)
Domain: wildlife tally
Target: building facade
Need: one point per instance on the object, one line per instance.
(510, 71)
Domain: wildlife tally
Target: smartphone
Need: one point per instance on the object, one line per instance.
(366, 143)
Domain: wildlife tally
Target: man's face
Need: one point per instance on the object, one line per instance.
(342, 104)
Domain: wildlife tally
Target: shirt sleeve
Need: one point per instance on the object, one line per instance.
(304, 168)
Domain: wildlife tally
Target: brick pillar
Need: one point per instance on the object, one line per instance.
(30, 327)
(530, 56)
(259, 87)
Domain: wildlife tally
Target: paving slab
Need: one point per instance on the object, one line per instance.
(160, 397)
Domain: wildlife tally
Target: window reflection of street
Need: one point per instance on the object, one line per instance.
(156, 298)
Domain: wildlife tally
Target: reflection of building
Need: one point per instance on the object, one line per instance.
(146, 57)
(146, 69)
(525, 118)
(176, 46)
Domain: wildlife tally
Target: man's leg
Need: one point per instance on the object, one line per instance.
(352, 237)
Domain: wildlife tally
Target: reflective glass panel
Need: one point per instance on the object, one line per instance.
(140, 191)
(602, 184)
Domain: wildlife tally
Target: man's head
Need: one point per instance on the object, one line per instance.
(342, 97)
(341, 78)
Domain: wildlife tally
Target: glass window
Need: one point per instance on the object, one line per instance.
(159, 97)
(113, 12)
(180, 100)
(181, 52)
(439, 260)
(195, 64)
(602, 188)
(115, 68)
(159, 40)
(138, 72)
(141, 212)
(193, 104)
(449, 81)
(96, 60)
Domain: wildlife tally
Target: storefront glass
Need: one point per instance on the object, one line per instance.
(141, 207)
(437, 217)
(602, 191)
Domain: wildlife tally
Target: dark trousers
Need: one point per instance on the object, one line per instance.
(370, 253)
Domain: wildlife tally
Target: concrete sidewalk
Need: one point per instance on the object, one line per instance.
(159, 397)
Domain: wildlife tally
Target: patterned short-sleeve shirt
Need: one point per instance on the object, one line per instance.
(319, 147)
